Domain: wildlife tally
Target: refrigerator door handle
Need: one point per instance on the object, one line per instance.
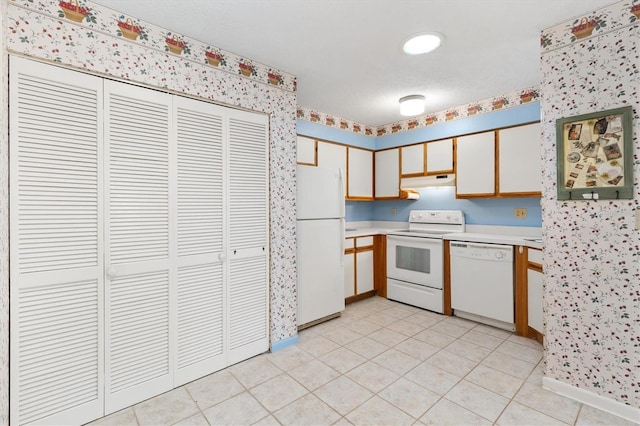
(342, 243)
(342, 194)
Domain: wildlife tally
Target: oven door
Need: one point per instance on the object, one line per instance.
(416, 260)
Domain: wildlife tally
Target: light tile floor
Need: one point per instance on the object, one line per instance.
(380, 363)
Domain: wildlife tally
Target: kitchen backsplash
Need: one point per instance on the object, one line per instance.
(497, 211)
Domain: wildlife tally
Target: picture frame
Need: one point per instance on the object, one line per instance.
(595, 153)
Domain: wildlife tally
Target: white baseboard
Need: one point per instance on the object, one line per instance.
(616, 408)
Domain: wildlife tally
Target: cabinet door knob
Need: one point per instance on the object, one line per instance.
(112, 272)
(222, 257)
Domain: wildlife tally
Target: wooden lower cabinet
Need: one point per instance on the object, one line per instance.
(364, 267)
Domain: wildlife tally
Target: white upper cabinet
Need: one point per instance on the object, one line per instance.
(306, 149)
(387, 173)
(520, 162)
(475, 165)
(360, 174)
(439, 156)
(413, 161)
(331, 155)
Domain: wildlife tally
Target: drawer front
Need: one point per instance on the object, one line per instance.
(364, 241)
(349, 243)
(535, 255)
(415, 295)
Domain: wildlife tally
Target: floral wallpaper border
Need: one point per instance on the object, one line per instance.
(132, 30)
(592, 24)
(513, 99)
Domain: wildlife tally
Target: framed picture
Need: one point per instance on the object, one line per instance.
(595, 155)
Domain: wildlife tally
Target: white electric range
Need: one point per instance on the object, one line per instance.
(415, 258)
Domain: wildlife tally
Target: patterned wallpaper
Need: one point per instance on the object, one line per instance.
(4, 223)
(102, 41)
(591, 248)
(463, 111)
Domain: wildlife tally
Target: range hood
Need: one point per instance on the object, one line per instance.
(446, 179)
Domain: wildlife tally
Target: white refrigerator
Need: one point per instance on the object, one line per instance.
(320, 243)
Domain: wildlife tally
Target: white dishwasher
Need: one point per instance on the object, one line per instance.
(482, 283)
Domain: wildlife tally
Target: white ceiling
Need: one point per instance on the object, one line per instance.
(347, 53)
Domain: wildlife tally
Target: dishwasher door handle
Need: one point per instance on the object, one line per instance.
(482, 253)
(482, 246)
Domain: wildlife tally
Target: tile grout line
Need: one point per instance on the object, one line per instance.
(477, 363)
(376, 308)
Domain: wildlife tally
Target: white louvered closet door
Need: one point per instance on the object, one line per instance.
(139, 244)
(56, 245)
(248, 235)
(200, 280)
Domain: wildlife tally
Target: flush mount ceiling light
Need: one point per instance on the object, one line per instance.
(422, 43)
(412, 105)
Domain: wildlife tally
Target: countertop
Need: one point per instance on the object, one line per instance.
(510, 235)
(360, 229)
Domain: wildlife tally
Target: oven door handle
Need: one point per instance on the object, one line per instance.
(415, 240)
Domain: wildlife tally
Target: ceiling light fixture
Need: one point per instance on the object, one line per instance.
(412, 105)
(422, 43)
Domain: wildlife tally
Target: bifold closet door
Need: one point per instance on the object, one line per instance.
(139, 244)
(248, 238)
(56, 239)
(200, 134)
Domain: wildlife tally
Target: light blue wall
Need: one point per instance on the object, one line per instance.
(478, 211)
(488, 211)
(485, 211)
(358, 211)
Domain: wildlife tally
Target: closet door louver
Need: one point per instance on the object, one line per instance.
(199, 236)
(248, 234)
(138, 252)
(139, 242)
(56, 245)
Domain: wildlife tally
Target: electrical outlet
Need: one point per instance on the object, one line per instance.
(638, 219)
(394, 211)
(520, 213)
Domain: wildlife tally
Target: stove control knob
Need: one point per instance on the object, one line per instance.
(499, 255)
